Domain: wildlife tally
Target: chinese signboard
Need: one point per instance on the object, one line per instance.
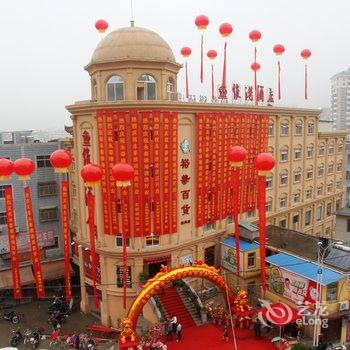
(120, 277)
(228, 258)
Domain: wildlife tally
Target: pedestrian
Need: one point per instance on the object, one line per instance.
(179, 332)
(225, 335)
(173, 322)
(77, 342)
(257, 328)
(169, 330)
(58, 327)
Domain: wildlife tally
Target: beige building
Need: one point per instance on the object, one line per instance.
(178, 208)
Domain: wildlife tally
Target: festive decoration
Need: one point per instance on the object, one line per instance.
(91, 174)
(127, 331)
(201, 22)
(101, 25)
(255, 66)
(186, 52)
(6, 169)
(254, 36)
(61, 161)
(225, 30)
(264, 163)
(305, 54)
(212, 55)
(236, 156)
(24, 167)
(278, 50)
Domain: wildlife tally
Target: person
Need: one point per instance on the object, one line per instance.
(179, 332)
(257, 328)
(77, 342)
(54, 335)
(169, 330)
(225, 335)
(173, 322)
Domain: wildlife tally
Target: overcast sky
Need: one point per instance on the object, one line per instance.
(45, 44)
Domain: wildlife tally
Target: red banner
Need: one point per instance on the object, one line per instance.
(174, 170)
(157, 176)
(262, 227)
(200, 170)
(10, 217)
(166, 172)
(65, 234)
(40, 291)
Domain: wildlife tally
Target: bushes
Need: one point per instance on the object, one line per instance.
(301, 346)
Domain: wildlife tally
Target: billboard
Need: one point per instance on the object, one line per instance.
(228, 258)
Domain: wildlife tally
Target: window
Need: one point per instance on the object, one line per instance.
(283, 201)
(269, 182)
(339, 166)
(229, 220)
(283, 179)
(296, 222)
(310, 151)
(250, 214)
(298, 128)
(296, 197)
(319, 213)
(320, 190)
(339, 185)
(309, 193)
(115, 88)
(2, 190)
(269, 204)
(251, 259)
(3, 219)
(119, 241)
(297, 175)
(320, 170)
(329, 209)
(152, 240)
(43, 161)
(330, 187)
(321, 149)
(309, 173)
(170, 89)
(332, 291)
(284, 154)
(308, 218)
(331, 149)
(297, 152)
(340, 147)
(46, 189)
(283, 223)
(209, 226)
(146, 88)
(310, 128)
(330, 168)
(284, 129)
(348, 225)
(120, 277)
(271, 128)
(48, 214)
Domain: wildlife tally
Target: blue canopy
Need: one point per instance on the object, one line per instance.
(244, 246)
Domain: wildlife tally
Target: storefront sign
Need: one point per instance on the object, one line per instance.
(228, 258)
(187, 259)
(120, 277)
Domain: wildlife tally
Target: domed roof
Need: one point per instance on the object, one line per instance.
(132, 43)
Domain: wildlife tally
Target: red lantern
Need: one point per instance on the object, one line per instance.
(101, 25)
(225, 29)
(61, 160)
(254, 35)
(278, 49)
(236, 156)
(6, 169)
(123, 173)
(264, 163)
(212, 54)
(91, 174)
(201, 22)
(255, 66)
(186, 51)
(24, 167)
(305, 54)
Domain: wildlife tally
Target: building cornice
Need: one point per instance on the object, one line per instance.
(323, 134)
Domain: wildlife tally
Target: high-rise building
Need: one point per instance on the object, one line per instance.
(341, 100)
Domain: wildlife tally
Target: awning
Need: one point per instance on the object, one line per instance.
(155, 260)
(53, 270)
(279, 314)
(25, 273)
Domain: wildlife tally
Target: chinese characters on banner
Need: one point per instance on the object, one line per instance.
(86, 147)
(17, 291)
(185, 178)
(40, 292)
(245, 94)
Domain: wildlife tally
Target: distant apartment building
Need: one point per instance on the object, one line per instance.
(340, 94)
(45, 191)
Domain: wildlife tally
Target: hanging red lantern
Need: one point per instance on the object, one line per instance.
(101, 25)
(236, 156)
(264, 163)
(305, 54)
(91, 174)
(212, 54)
(254, 36)
(123, 173)
(24, 167)
(278, 49)
(61, 160)
(255, 66)
(225, 29)
(201, 22)
(6, 169)
(186, 51)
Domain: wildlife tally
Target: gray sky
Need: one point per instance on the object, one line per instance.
(45, 44)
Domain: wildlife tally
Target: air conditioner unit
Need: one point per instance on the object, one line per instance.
(344, 305)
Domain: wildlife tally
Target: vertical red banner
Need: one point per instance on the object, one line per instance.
(214, 169)
(221, 159)
(200, 169)
(65, 234)
(40, 291)
(166, 172)
(157, 176)
(174, 170)
(10, 217)
(226, 182)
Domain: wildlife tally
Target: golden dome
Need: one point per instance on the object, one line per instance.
(132, 43)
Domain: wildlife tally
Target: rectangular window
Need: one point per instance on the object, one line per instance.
(309, 194)
(251, 259)
(284, 156)
(2, 190)
(329, 209)
(229, 220)
(268, 206)
(348, 225)
(339, 185)
(330, 168)
(332, 291)
(46, 189)
(310, 152)
(308, 218)
(284, 179)
(296, 197)
(321, 150)
(319, 190)
(337, 204)
(43, 161)
(319, 213)
(309, 174)
(120, 277)
(330, 187)
(320, 170)
(250, 214)
(339, 166)
(152, 240)
(284, 129)
(283, 202)
(3, 219)
(297, 153)
(297, 176)
(271, 129)
(296, 222)
(269, 182)
(331, 150)
(283, 223)
(119, 241)
(48, 214)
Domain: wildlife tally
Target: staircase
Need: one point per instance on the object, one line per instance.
(173, 304)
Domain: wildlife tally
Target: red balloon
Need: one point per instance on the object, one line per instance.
(101, 25)
(237, 154)
(201, 22)
(212, 54)
(225, 29)
(186, 51)
(6, 169)
(91, 174)
(254, 35)
(305, 54)
(255, 66)
(24, 167)
(278, 49)
(264, 162)
(61, 160)
(123, 173)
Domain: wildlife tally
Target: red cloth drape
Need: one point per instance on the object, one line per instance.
(235, 195)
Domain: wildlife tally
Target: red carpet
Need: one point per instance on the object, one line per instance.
(208, 337)
(174, 305)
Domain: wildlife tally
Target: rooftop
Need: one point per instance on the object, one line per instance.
(244, 246)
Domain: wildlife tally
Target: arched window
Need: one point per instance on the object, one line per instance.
(309, 172)
(283, 200)
(330, 168)
(297, 175)
(94, 90)
(297, 152)
(285, 128)
(297, 197)
(271, 150)
(331, 149)
(340, 147)
(310, 127)
(308, 193)
(321, 149)
(271, 127)
(115, 88)
(284, 154)
(283, 178)
(320, 190)
(320, 170)
(170, 88)
(269, 204)
(310, 151)
(298, 128)
(339, 166)
(146, 87)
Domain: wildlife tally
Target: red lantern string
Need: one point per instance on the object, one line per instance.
(202, 58)
(279, 80)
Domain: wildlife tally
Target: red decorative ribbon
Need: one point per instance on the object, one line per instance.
(212, 82)
(202, 58)
(255, 79)
(235, 211)
(65, 234)
(305, 81)
(187, 91)
(10, 217)
(223, 84)
(124, 269)
(279, 80)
